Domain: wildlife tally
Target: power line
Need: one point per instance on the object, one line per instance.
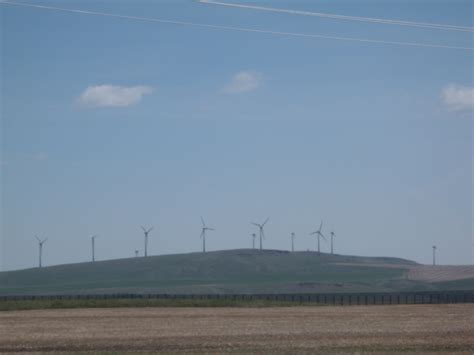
(237, 29)
(436, 26)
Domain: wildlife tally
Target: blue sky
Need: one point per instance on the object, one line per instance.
(110, 123)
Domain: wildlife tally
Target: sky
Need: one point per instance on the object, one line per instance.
(111, 123)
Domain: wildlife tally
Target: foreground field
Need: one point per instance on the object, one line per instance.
(445, 328)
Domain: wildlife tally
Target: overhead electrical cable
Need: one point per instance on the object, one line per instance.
(436, 26)
(238, 29)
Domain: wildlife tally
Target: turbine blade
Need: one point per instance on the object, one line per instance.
(202, 221)
(149, 230)
(265, 221)
(321, 225)
(255, 224)
(37, 238)
(313, 233)
(144, 230)
(322, 235)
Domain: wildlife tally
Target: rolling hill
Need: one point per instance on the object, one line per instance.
(234, 271)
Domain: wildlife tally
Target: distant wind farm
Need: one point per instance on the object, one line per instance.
(205, 228)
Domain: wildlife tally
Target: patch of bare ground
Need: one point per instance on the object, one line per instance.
(441, 273)
(428, 273)
(385, 266)
(407, 328)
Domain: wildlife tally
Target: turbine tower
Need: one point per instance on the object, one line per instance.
(262, 233)
(292, 242)
(146, 232)
(253, 240)
(203, 234)
(93, 247)
(434, 255)
(319, 234)
(40, 245)
(332, 241)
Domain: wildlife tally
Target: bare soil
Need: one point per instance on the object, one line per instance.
(289, 330)
(441, 273)
(428, 273)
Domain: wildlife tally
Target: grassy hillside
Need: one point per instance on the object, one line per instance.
(231, 271)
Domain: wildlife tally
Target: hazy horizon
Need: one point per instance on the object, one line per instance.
(110, 123)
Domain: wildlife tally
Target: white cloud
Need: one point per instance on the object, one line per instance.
(113, 96)
(244, 81)
(458, 97)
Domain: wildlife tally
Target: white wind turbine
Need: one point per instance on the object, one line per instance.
(262, 233)
(319, 234)
(203, 234)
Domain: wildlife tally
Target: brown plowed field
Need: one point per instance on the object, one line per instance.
(411, 328)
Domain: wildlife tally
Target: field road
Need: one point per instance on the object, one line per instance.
(408, 328)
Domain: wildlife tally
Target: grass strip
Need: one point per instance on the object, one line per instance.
(11, 305)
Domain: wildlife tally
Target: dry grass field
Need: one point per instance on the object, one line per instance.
(412, 328)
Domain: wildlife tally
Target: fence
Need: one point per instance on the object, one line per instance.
(343, 299)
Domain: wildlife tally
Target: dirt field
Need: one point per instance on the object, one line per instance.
(441, 273)
(412, 328)
(428, 273)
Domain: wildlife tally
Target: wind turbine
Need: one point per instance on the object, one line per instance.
(434, 255)
(253, 240)
(93, 247)
(260, 227)
(332, 241)
(146, 232)
(203, 234)
(292, 242)
(40, 244)
(319, 234)
(136, 253)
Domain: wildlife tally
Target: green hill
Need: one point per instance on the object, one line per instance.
(231, 271)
